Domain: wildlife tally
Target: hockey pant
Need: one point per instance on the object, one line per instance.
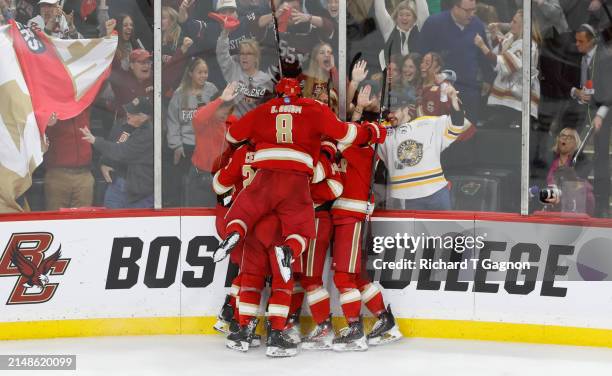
(347, 265)
(313, 261)
(259, 261)
(287, 194)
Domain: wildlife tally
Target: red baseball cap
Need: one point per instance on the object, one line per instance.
(139, 55)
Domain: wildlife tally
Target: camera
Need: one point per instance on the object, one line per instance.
(549, 193)
(544, 194)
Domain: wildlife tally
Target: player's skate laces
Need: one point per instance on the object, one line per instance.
(320, 338)
(292, 330)
(226, 246)
(242, 339)
(284, 257)
(280, 345)
(225, 317)
(385, 330)
(351, 338)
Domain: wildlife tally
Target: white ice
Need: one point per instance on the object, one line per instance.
(207, 356)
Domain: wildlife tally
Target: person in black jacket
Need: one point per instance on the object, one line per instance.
(127, 160)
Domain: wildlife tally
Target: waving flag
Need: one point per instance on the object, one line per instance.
(38, 76)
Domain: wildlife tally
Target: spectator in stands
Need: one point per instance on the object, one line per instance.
(410, 74)
(174, 51)
(194, 91)
(211, 148)
(141, 13)
(254, 85)
(68, 179)
(205, 31)
(127, 158)
(135, 83)
(90, 16)
(321, 77)
(506, 94)
(53, 21)
(592, 107)
(554, 81)
(429, 102)
(127, 41)
(301, 25)
(401, 29)
(451, 34)
(25, 10)
(562, 171)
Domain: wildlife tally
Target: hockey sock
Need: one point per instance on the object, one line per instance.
(234, 295)
(350, 297)
(371, 297)
(297, 244)
(297, 297)
(317, 297)
(236, 226)
(279, 302)
(250, 297)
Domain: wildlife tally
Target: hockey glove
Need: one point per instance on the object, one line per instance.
(378, 133)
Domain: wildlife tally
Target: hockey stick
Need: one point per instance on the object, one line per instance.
(277, 38)
(582, 145)
(367, 223)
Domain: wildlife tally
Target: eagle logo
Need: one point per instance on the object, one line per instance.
(36, 276)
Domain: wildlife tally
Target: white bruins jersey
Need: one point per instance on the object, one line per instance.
(411, 153)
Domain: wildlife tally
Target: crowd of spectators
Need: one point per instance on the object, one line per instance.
(212, 45)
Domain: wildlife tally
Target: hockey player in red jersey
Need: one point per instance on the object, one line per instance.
(258, 261)
(313, 259)
(286, 132)
(227, 184)
(348, 214)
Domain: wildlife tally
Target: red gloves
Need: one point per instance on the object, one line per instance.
(228, 23)
(378, 133)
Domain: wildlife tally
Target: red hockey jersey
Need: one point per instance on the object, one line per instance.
(287, 133)
(237, 174)
(429, 103)
(326, 183)
(356, 168)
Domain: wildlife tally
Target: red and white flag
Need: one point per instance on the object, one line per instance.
(40, 75)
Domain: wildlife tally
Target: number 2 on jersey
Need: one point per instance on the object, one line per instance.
(284, 126)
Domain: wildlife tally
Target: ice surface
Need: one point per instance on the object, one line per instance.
(207, 355)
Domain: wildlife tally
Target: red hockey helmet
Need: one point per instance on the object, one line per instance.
(289, 87)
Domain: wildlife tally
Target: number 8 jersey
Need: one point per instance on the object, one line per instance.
(287, 133)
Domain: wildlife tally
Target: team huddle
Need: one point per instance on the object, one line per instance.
(282, 198)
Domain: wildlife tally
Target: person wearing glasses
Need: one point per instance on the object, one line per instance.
(451, 34)
(571, 179)
(254, 86)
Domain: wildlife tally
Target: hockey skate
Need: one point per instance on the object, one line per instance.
(226, 247)
(284, 257)
(320, 338)
(242, 339)
(385, 330)
(351, 338)
(280, 345)
(293, 328)
(225, 317)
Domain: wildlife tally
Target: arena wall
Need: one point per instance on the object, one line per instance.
(151, 272)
